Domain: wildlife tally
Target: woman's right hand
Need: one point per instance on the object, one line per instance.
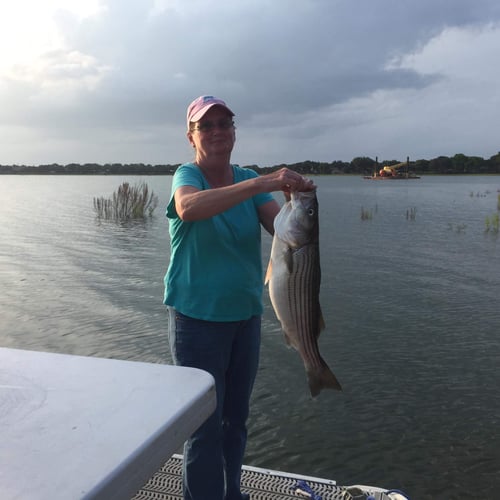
(287, 180)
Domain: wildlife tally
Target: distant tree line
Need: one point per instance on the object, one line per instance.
(90, 169)
(361, 165)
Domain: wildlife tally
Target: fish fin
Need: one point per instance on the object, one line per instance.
(287, 339)
(321, 322)
(291, 341)
(322, 378)
(289, 259)
(269, 272)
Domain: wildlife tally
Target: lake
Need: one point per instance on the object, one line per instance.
(410, 295)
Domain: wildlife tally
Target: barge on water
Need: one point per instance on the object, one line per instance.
(398, 171)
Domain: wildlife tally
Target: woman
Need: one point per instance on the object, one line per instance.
(213, 288)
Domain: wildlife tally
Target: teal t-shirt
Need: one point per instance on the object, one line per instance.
(215, 269)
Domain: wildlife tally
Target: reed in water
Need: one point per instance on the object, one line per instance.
(127, 202)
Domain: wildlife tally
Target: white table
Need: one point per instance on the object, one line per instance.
(75, 427)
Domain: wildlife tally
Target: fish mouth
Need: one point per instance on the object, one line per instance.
(297, 223)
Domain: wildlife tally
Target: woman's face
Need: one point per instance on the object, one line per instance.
(214, 134)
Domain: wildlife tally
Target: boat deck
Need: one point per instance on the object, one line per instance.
(261, 484)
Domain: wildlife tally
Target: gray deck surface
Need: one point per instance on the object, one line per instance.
(261, 484)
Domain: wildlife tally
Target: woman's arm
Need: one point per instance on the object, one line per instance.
(193, 204)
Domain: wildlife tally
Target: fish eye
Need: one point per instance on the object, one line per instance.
(310, 211)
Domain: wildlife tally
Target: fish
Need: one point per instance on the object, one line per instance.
(293, 278)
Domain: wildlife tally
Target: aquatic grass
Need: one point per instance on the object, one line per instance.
(411, 213)
(458, 228)
(366, 214)
(128, 202)
(480, 195)
(492, 223)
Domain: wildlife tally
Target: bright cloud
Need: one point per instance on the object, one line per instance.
(29, 28)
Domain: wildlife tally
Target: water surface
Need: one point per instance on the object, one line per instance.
(410, 299)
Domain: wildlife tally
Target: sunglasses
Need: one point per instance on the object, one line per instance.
(208, 126)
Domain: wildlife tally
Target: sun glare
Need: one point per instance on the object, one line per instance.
(28, 28)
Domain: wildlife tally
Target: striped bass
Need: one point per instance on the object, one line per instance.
(294, 277)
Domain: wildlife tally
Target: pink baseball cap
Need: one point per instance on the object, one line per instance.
(201, 105)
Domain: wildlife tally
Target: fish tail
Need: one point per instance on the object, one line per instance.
(322, 377)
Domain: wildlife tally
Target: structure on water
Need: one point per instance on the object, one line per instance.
(392, 172)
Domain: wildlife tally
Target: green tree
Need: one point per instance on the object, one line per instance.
(362, 165)
(441, 165)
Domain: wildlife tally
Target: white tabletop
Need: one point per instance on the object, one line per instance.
(76, 427)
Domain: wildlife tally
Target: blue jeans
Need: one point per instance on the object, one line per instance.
(229, 351)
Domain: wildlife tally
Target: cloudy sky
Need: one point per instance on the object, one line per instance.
(109, 80)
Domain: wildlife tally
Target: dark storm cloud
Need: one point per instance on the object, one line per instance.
(265, 57)
(136, 65)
